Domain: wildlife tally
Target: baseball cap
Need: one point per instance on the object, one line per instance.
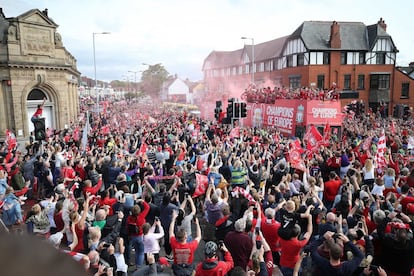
(164, 261)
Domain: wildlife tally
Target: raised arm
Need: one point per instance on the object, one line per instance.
(192, 205)
(172, 224)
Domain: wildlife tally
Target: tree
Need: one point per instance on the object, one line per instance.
(152, 80)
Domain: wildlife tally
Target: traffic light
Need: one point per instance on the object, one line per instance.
(230, 108)
(217, 110)
(40, 129)
(243, 110)
(237, 110)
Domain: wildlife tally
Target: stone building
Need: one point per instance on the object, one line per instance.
(35, 65)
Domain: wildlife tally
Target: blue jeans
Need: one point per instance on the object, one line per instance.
(138, 244)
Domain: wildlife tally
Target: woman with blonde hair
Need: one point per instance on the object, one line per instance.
(369, 173)
(389, 179)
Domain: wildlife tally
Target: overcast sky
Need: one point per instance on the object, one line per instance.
(181, 33)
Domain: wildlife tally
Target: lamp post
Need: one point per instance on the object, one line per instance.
(94, 66)
(252, 39)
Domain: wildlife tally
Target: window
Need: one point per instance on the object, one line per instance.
(380, 81)
(294, 82)
(326, 58)
(240, 69)
(289, 61)
(247, 69)
(321, 81)
(261, 67)
(343, 57)
(405, 89)
(381, 58)
(301, 59)
(361, 81)
(362, 58)
(347, 82)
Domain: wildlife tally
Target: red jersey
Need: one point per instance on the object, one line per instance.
(270, 230)
(140, 219)
(331, 189)
(290, 251)
(183, 253)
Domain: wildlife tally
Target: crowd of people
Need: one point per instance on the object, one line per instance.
(137, 190)
(253, 94)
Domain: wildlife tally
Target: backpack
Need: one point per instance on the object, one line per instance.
(133, 229)
(17, 181)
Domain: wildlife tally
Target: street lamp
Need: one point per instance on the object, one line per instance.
(252, 39)
(94, 66)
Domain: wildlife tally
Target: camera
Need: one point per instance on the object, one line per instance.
(186, 194)
(220, 244)
(335, 236)
(360, 225)
(157, 219)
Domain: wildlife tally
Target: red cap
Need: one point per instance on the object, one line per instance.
(164, 261)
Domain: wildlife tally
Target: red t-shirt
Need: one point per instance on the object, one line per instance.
(290, 251)
(270, 233)
(38, 112)
(68, 172)
(183, 253)
(331, 189)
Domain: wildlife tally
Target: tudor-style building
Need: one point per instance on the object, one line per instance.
(34, 65)
(360, 59)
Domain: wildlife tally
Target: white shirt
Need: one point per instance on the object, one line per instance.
(151, 244)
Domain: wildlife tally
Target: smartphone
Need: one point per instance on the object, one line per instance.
(360, 225)
(373, 267)
(258, 243)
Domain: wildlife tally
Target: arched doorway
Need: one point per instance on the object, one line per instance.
(35, 98)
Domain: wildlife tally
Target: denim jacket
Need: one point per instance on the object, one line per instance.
(12, 211)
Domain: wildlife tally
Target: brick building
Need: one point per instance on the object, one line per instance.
(35, 65)
(360, 59)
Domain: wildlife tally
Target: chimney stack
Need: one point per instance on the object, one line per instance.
(382, 24)
(335, 40)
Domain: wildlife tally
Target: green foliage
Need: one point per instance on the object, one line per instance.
(152, 79)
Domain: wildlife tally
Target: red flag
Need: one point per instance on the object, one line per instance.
(312, 138)
(327, 134)
(11, 140)
(202, 184)
(235, 132)
(295, 157)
